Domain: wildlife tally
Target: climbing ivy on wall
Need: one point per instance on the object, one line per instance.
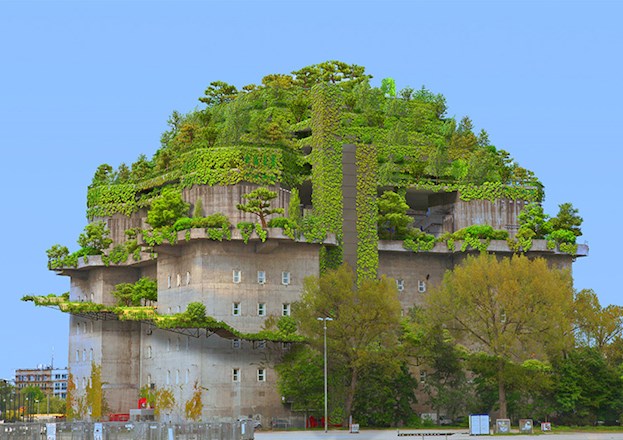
(487, 191)
(367, 235)
(204, 166)
(326, 159)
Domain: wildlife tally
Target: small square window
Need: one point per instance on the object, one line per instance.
(261, 309)
(285, 278)
(235, 309)
(421, 286)
(261, 277)
(400, 284)
(261, 345)
(237, 276)
(235, 343)
(286, 309)
(235, 375)
(261, 375)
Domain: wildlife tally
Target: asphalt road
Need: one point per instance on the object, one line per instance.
(393, 435)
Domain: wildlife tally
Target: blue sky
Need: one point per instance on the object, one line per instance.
(86, 83)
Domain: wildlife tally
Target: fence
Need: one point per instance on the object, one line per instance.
(240, 430)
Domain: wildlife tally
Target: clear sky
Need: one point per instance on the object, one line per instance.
(86, 83)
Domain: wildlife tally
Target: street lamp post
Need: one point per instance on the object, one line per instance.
(326, 418)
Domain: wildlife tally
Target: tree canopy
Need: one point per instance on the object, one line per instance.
(365, 327)
(511, 308)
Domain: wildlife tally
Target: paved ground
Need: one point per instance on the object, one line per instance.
(393, 435)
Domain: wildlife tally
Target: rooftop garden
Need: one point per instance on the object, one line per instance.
(263, 134)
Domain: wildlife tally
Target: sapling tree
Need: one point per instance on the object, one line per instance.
(259, 204)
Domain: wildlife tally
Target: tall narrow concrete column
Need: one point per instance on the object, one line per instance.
(349, 194)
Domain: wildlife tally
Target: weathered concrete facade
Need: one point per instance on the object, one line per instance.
(241, 284)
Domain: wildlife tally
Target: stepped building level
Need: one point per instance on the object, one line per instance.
(326, 175)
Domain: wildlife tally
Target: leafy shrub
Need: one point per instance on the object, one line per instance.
(217, 220)
(183, 223)
(195, 311)
(562, 236)
(167, 208)
(417, 240)
(95, 238)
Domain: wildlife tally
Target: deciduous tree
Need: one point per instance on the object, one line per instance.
(511, 308)
(365, 324)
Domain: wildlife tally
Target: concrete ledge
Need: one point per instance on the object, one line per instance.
(498, 246)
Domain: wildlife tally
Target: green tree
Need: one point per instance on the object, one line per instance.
(392, 220)
(104, 175)
(56, 254)
(144, 291)
(587, 388)
(385, 398)
(123, 174)
(511, 308)
(94, 240)
(365, 324)
(388, 86)
(534, 219)
(219, 92)
(597, 326)
(567, 219)
(330, 72)
(259, 204)
(301, 378)
(140, 169)
(124, 293)
(167, 208)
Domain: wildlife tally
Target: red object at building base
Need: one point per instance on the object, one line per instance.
(119, 417)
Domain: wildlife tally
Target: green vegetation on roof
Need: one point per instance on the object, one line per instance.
(262, 134)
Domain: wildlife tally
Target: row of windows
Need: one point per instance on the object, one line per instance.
(84, 327)
(178, 280)
(286, 279)
(236, 375)
(421, 285)
(236, 278)
(37, 378)
(84, 355)
(236, 309)
(235, 343)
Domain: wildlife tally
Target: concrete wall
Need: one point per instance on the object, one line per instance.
(208, 267)
(214, 199)
(414, 269)
(501, 214)
(178, 362)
